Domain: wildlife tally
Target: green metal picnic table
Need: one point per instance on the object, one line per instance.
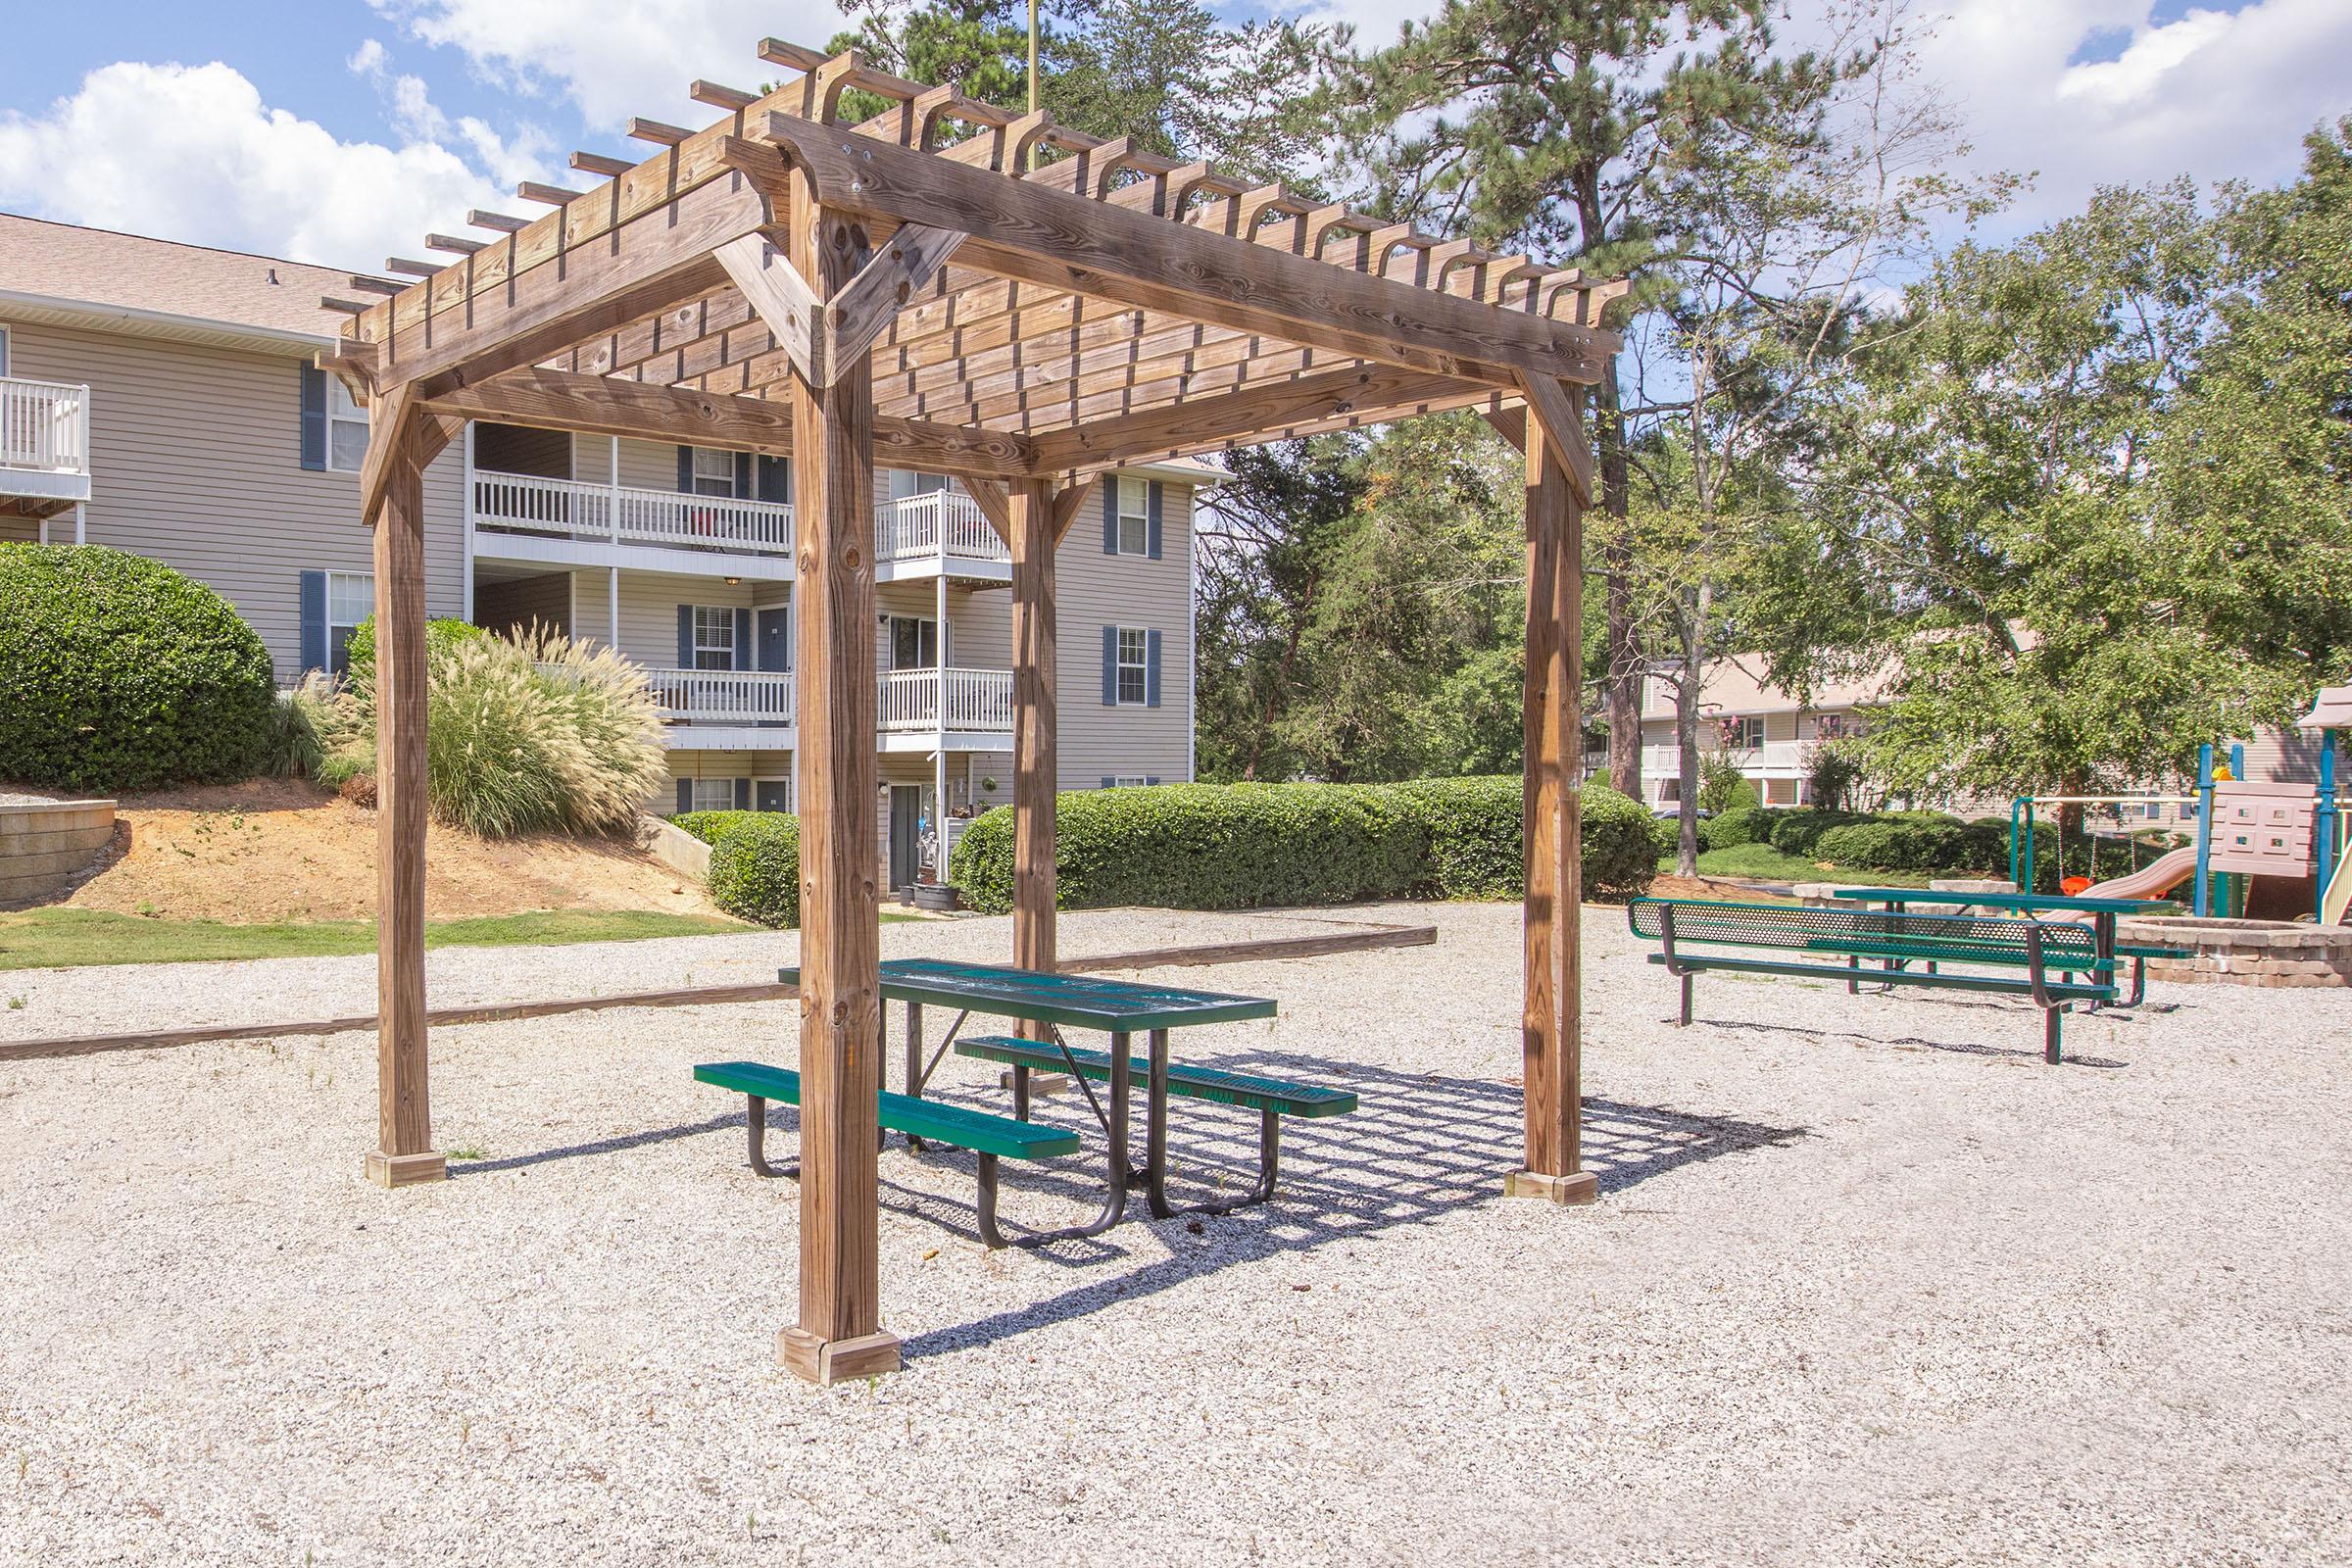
(1117, 1007)
(2103, 913)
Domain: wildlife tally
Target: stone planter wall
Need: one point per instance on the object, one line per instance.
(2246, 953)
(44, 844)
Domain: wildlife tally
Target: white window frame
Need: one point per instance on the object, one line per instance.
(1142, 665)
(1140, 518)
(1743, 743)
(3, 351)
(341, 410)
(702, 643)
(1129, 781)
(724, 480)
(938, 639)
(696, 787)
(333, 579)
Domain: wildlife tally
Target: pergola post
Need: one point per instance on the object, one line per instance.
(403, 1151)
(1035, 767)
(1551, 1026)
(839, 1334)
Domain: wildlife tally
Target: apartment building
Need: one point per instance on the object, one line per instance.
(160, 397)
(1763, 730)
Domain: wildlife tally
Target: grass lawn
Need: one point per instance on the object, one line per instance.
(1766, 863)
(47, 939)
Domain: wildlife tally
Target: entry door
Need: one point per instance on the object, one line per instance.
(905, 837)
(774, 794)
(774, 642)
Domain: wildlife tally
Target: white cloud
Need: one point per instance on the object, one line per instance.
(192, 153)
(615, 58)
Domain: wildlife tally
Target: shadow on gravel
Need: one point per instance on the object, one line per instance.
(1420, 1147)
(2014, 1056)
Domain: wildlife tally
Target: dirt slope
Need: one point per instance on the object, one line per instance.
(281, 849)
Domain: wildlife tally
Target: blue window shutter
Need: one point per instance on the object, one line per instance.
(1110, 666)
(1151, 532)
(314, 420)
(1110, 515)
(1151, 669)
(743, 795)
(743, 475)
(686, 470)
(685, 636)
(314, 621)
(685, 796)
(743, 640)
(775, 479)
(1108, 782)
(1152, 778)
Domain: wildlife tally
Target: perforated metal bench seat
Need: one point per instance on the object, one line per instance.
(1247, 1090)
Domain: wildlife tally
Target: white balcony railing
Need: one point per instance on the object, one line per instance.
(1772, 760)
(725, 696)
(940, 525)
(977, 700)
(44, 425)
(522, 502)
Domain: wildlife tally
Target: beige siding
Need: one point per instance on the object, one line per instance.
(1093, 589)
(196, 461)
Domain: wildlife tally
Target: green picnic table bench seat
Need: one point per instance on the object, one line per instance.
(2049, 954)
(1271, 1098)
(987, 1136)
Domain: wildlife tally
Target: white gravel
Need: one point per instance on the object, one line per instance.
(1869, 1284)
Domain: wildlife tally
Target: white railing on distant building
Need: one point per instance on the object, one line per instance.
(525, 503)
(725, 696)
(977, 700)
(936, 525)
(44, 425)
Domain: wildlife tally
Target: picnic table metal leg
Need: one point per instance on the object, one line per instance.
(1114, 1203)
(1155, 1144)
(755, 1121)
(914, 1059)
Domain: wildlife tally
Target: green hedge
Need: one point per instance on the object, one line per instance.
(712, 826)
(1744, 824)
(755, 863)
(1247, 845)
(1799, 831)
(359, 652)
(119, 673)
(1916, 841)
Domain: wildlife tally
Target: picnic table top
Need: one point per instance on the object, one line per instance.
(2004, 901)
(1083, 1001)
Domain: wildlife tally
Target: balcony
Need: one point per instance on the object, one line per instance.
(977, 717)
(574, 522)
(1772, 760)
(737, 709)
(44, 445)
(938, 533)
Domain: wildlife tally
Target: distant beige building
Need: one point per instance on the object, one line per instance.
(161, 399)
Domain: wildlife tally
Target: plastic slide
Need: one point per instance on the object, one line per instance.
(2157, 877)
(2339, 894)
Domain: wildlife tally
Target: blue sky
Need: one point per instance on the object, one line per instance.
(340, 131)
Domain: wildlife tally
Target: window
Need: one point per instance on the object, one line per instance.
(714, 472)
(713, 795)
(350, 600)
(1134, 519)
(1134, 651)
(3, 351)
(1743, 734)
(905, 482)
(714, 637)
(1129, 781)
(913, 643)
(346, 428)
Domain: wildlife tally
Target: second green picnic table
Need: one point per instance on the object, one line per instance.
(2103, 913)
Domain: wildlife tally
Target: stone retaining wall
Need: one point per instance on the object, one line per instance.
(44, 844)
(2246, 953)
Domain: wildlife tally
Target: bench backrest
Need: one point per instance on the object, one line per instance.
(1807, 928)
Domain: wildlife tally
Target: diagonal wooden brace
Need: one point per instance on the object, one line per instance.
(824, 338)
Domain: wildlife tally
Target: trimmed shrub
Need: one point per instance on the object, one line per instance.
(440, 636)
(119, 673)
(756, 866)
(1795, 832)
(712, 826)
(1246, 845)
(1744, 824)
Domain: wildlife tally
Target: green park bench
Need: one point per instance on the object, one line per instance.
(1271, 1098)
(1832, 944)
(991, 1138)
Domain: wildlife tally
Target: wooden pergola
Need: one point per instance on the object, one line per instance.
(955, 288)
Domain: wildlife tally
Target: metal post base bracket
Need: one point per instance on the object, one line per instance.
(825, 1362)
(406, 1170)
(1570, 1191)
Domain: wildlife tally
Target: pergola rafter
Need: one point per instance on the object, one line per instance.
(950, 286)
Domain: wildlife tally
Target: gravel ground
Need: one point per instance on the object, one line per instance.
(1868, 1284)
